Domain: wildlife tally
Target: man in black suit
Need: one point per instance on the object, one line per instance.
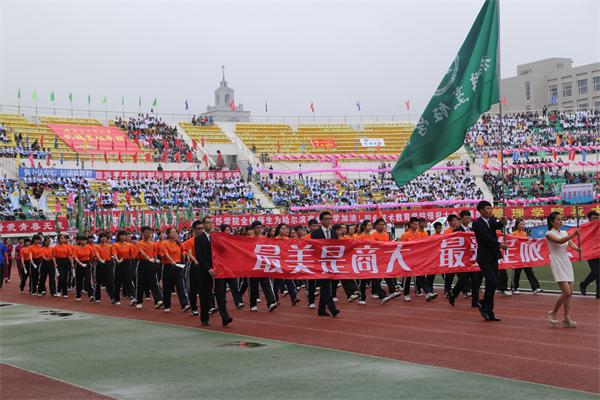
(488, 254)
(205, 280)
(325, 299)
(466, 280)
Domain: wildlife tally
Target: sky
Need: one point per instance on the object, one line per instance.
(287, 54)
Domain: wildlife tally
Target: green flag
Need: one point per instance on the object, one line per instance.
(104, 100)
(122, 220)
(469, 88)
(34, 95)
(155, 220)
(79, 219)
(52, 98)
(154, 103)
(89, 98)
(19, 94)
(70, 97)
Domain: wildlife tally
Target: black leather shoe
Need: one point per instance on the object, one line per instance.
(451, 300)
(295, 301)
(478, 305)
(335, 313)
(204, 324)
(494, 317)
(486, 316)
(227, 321)
(582, 289)
(324, 314)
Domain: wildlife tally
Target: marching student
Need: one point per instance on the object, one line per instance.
(410, 235)
(561, 266)
(453, 224)
(381, 235)
(62, 255)
(26, 260)
(173, 271)
(104, 268)
(204, 252)
(82, 257)
(467, 281)
(122, 254)
(188, 249)
(349, 285)
(519, 230)
(265, 283)
(285, 285)
(146, 276)
(367, 235)
(47, 269)
(594, 264)
(35, 255)
(325, 299)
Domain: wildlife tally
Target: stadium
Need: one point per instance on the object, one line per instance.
(152, 247)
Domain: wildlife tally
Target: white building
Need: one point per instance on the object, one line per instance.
(225, 109)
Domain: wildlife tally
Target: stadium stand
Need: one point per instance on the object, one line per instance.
(205, 133)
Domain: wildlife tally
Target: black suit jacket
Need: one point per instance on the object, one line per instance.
(460, 229)
(203, 252)
(488, 246)
(319, 234)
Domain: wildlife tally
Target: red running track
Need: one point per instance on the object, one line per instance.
(523, 346)
(18, 384)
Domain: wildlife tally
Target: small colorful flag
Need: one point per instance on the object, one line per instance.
(70, 97)
(312, 106)
(407, 104)
(155, 102)
(104, 100)
(232, 105)
(34, 95)
(358, 105)
(187, 106)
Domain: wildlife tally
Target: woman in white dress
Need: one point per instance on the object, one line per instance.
(561, 267)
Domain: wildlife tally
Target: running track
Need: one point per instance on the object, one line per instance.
(523, 346)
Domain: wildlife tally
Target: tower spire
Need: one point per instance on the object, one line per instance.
(223, 68)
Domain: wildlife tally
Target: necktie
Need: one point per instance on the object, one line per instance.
(327, 234)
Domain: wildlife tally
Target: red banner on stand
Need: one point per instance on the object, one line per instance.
(240, 256)
(399, 216)
(31, 227)
(92, 139)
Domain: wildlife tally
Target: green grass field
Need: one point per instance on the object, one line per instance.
(130, 359)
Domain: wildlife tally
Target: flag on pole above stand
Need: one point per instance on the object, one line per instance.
(468, 89)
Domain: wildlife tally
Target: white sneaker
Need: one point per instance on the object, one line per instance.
(374, 296)
(407, 298)
(516, 291)
(258, 300)
(55, 295)
(312, 305)
(65, 296)
(352, 297)
(430, 296)
(138, 306)
(132, 302)
(185, 308)
(362, 302)
(78, 298)
(272, 307)
(386, 299)
(167, 310)
(395, 294)
(335, 299)
(538, 290)
(158, 304)
(253, 309)
(506, 293)
(97, 301)
(117, 303)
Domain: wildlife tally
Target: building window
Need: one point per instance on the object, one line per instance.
(596, 83)
(582, 106)
(582, 86)
(567, 88)
(527, 90)
(597, 105)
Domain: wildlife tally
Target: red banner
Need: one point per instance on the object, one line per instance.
(92, 139)
(399, 216)
(324, 143)
(148, 174)
(240, 256)
(31, 227)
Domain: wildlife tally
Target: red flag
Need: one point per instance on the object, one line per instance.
(116, 198)
(48, 160)
(202, 141)
(112, 144)
(189, 156)
(147, 157)
(135, 157)
(572, 155)
(194, 144)
(278, 147)
(165, 144)
(137, 141)
(554, 154)
(178, 157)
(31, 160)
(232, 105)
(42, 141)
(98, 144)
(570, 140)
(120, 158)
(504, 102)
(126, 143)
(164, 157)
(407, 104)
(92, 161)
(105, 157)
(312, 107)
(178, 143)
(379, 213)
(128, 198)
(205, 159)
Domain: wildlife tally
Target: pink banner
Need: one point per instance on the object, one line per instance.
(346, 169)
(148, 174)
(528, 166)
(386, 205)
(532, 149)
(91, 139)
